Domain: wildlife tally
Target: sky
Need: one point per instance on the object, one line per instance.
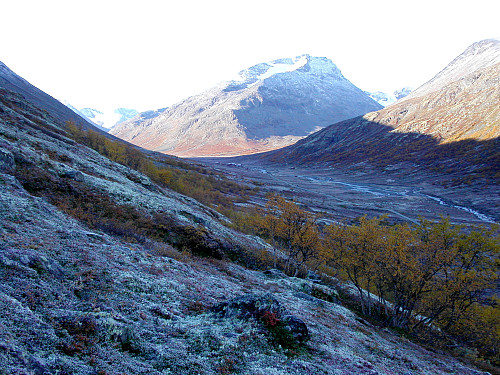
(151, 54)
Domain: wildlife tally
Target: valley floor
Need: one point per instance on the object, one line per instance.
(350, 193)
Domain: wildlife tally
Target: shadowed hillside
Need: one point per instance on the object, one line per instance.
(357, 143)
(271, 105)
(453, 131)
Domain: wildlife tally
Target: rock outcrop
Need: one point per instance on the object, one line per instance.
(266, 309)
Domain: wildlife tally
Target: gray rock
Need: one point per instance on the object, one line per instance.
(73, 175)
(275, 273)
(313, 276)
(296, 328)
(7, 163)
(305, 296)
(267, 309)
(249, 306)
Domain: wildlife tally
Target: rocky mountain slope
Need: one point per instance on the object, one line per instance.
(86, 297)
(270, 105)
(449, 125)
(478, 56)
(13, 82)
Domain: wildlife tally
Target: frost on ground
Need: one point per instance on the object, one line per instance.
(76, 300)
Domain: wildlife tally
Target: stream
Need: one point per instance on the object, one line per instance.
(480, 216)
(387, 192)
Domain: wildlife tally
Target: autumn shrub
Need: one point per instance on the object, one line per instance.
(82, 331)
(293, 231)
(423, 277)
(479, 328)
(206, 186)
(279, 335)
(414, 278)
(99, 211)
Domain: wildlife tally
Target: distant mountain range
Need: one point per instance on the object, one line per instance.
(450, 124)
(270, 105)
(385, 99)
(105, 119)
(63, 111)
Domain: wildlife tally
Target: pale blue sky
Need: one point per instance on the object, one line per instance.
(150, 54)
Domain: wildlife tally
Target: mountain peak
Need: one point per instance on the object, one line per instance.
(270, 105)
(481, 46)
(301, 64)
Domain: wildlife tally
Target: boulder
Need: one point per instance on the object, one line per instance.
(7, 163)
(249, 306)
(268, 311)
(275, 273)
(296, 328)
(313, 276)
(73, 175)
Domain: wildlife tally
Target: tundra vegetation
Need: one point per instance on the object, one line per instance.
(435, 282)
(189, 179)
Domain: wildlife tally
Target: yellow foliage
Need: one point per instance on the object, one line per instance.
(433, 270)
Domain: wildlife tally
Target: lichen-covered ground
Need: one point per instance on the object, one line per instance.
(76, 300)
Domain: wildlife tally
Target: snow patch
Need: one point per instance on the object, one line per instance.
(277, 68)
(104, 119)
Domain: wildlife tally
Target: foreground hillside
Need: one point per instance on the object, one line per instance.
(92, 296)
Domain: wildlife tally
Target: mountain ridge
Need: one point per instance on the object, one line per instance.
(455, 128)
(12, 81)
(268, 106)
(477, 56)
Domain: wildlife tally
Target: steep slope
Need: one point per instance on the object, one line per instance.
(13, 82)
(83, 115)
(453, 128)
(78, 298)
(478, 56)
(270, 105)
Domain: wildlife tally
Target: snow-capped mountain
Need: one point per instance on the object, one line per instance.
(267, 106)
(105, 119)
(450, 125)
(401, 93)
(382, 98)
(385, 99)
